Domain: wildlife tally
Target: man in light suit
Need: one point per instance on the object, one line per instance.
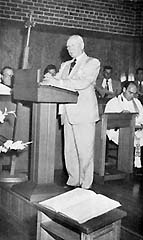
(79, 119)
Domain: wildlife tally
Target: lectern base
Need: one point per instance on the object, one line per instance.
(16, 178)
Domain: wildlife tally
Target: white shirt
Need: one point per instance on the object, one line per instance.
(4, 90)
(120, 103)
(104, 85)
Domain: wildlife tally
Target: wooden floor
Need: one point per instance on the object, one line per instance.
(9, 229)
(129, 194)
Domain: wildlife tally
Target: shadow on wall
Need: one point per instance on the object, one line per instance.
(64, 54)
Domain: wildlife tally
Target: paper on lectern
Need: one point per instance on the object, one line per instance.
(58, 84)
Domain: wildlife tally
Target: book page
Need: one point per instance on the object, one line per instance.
(80, 204)
(90, 208)
(67, 199)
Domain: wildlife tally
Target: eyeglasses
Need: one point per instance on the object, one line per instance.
(7, 75)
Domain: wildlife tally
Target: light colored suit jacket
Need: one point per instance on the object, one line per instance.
(82, 78)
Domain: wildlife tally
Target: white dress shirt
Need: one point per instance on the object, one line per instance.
(104, 84)
(4, 90)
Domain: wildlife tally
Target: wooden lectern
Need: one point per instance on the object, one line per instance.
(52, 225)
(126, 124)
(44, 109)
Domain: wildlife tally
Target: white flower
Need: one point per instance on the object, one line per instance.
(18, 145)
(3, 115)
(6, 146)
(10, 145)
(1, 147)
(4, 150)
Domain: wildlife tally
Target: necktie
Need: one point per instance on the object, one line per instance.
(72, 65)
(107, 85)
(140, 87)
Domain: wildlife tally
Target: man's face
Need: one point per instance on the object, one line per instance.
(130, 92)
(74, 47)
(107, 73)
(52, 72)
(7, 76)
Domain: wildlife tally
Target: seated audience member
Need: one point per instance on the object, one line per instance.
(127, 102)
(6, 84)
(106, 86)
(50, 69)
(139, 82)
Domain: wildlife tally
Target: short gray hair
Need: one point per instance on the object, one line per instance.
(78, 38)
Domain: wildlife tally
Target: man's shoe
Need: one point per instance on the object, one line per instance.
(69, 187)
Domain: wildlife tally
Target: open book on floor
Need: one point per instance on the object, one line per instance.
(80, 204)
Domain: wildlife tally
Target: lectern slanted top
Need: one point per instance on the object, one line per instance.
(27, 88)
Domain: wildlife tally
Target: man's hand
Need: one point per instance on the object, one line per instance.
(50, 80)
(48, 77)
(125, 111)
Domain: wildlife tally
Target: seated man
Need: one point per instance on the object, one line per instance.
(50, 69)
(127, 102)
(139, 82)
(106, 86)
(6, 78)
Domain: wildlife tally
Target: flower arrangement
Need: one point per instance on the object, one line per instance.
(10, 145)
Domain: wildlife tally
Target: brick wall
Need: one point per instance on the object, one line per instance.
(123, 17)
(139, 19)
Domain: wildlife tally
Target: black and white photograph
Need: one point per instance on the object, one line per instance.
(71, 120)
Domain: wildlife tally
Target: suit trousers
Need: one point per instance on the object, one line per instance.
(79, 153)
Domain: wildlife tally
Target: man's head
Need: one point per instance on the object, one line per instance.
(75, 46)
(7, 76)
(107, 72)
(139, 74)
(130, 90)
(50, 69)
